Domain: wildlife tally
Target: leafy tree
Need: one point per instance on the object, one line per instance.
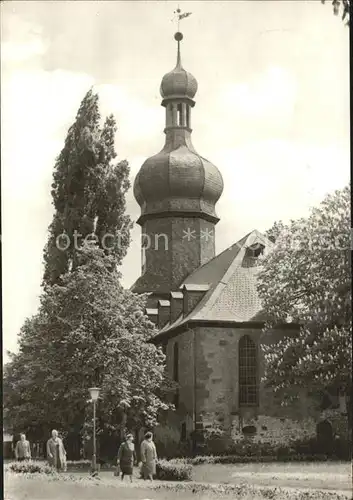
(343, 7)
(306, 279)
(88, 331)
(273, 233)
(88, 192)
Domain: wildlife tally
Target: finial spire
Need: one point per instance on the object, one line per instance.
(178, 37)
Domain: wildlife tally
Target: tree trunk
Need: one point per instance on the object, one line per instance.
(123, 426)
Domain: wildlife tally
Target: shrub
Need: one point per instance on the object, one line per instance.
(246, 448)
(178, 469)
(236, 459)
(30, 467)
(174, 470)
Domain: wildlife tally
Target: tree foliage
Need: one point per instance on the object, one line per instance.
(342, 7)
(274, 231)
(306, 280)
(88, 193)
(88, 331)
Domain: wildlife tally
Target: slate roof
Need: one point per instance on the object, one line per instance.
(231, 277)
(148, 282)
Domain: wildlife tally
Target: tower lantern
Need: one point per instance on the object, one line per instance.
(177, 190)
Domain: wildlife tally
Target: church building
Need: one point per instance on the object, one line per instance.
(206, 306)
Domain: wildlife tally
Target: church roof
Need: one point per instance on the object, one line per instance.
(231, 277)
(143, 284)
(178, 180)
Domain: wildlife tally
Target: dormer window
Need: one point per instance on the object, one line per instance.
(255, 250)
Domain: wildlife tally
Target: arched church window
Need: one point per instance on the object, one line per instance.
(176, 362)
(248, 390)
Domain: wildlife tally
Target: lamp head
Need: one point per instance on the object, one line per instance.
(94, 392)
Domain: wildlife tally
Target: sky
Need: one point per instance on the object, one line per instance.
(272, 111)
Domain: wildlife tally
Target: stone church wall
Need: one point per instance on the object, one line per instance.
(214, 401)
(185, 341)
(218, 354)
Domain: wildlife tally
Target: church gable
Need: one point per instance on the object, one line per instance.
(235, 297)
(224, 289)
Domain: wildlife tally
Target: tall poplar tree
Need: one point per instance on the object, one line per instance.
(88, 330)
(88, 192)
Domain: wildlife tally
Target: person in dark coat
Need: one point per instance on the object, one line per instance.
(23, 449)
(127, 457)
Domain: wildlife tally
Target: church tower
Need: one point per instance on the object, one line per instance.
(177, 190)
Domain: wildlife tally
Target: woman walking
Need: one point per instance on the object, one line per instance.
(56, 452)
(127, 457)
(148, 457)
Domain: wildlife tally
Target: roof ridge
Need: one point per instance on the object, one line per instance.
(214, 258)
(223, 282)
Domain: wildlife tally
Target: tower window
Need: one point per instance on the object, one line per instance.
(188, 116)
(248, 391)
(180, 114)
(176, 362)
(143, 260)
(169, 115)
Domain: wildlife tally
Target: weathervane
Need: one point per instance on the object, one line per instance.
(179, 16)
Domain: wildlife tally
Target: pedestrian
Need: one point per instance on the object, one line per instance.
(56, 452)
(148, 457)
(127, 457)
(23, 449)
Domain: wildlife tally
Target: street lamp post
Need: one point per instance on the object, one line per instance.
(94, 393)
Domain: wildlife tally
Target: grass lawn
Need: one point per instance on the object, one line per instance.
(314, 481)
(23, 488)
(334, 476)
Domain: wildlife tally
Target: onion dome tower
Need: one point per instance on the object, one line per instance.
(177, 190)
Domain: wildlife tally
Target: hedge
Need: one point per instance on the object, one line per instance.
(173, 470)
(236, 459)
